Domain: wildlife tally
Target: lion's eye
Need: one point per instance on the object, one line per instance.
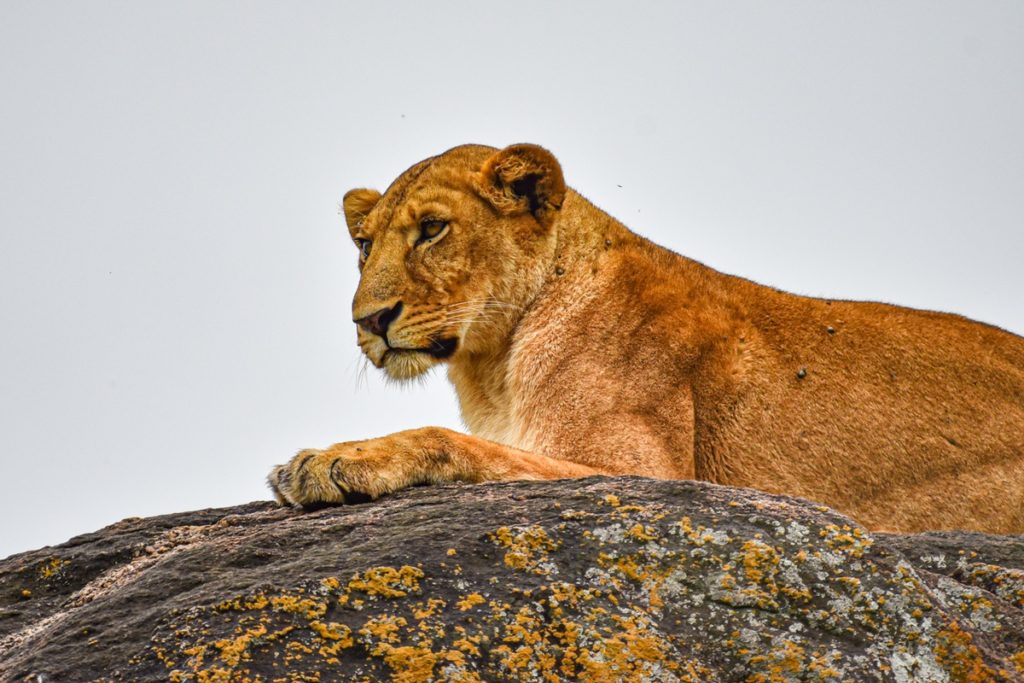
(364, 248)
(431, 228)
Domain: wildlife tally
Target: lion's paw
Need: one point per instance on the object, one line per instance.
(358, 471)
(307, 479)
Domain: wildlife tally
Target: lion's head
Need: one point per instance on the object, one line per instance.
(451, 253)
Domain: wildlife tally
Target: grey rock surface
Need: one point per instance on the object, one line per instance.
(603, 579)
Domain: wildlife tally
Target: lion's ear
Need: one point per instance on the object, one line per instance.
(523, 178)
(356, 204)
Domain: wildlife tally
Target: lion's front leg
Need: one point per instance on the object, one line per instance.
(430, 455)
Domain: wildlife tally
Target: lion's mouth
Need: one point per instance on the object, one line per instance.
(443, 348)
(439, 348)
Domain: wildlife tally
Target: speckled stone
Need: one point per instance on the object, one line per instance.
(603, 579)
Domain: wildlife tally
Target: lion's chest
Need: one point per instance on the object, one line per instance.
(495, 427)
(532, 392)
(488, 405)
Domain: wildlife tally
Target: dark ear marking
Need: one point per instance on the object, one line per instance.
(527, 187)
(523, 178)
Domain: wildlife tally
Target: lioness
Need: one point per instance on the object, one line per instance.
(579, 348)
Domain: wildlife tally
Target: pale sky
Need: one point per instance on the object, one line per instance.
(175, 282)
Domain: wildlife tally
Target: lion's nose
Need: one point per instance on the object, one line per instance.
(377, 322)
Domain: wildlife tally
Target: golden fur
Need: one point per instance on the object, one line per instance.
(577, 347)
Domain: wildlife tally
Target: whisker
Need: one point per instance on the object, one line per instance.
(361, 378)
(482, 303)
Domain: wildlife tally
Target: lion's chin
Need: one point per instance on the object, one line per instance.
(405, 365)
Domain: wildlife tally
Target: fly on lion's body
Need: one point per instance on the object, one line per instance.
(578, 348)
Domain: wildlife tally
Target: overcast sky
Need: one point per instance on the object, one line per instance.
(175, 282)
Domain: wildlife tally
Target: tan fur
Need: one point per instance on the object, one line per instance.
(583, 348)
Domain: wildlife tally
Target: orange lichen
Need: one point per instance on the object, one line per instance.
(758, 558)
(642, 532)
(470, 600)
(527, 548)
(332, 631)
(957, 653)
(234, 650)
(698, 536)
(386, 582)
(51, 568)
(467, 644)
(848, 540)
(256, 602)
(413, 664)
(307, 607)
(1005, 582)
(429, 608)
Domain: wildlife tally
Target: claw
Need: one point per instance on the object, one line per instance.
(337, 480)
(277, 480)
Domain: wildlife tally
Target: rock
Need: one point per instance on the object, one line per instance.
(603, 579)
